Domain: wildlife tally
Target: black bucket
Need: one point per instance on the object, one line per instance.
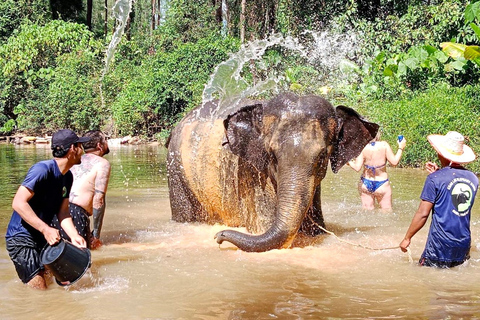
(67, 262)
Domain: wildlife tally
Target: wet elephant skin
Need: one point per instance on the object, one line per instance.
(261, 166)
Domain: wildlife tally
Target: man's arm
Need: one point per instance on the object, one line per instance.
(101, 184)
(67, 225)
(417, 223)
(21, 206)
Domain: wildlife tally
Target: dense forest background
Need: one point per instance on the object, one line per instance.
(410, 65)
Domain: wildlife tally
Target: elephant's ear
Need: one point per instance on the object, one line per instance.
(353, 134)
(244, 138)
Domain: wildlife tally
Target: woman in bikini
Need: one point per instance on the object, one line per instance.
(374, 184)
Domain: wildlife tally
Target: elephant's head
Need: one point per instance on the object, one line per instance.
(291, 139)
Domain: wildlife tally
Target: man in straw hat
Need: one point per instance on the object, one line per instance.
(43, 194)
(449, 194)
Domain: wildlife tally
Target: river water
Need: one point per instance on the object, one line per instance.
(153, 268)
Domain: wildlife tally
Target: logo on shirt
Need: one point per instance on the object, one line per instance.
(64, 192)
(462, 198)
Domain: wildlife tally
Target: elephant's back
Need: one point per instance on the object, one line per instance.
(197, 155)
(224, 188)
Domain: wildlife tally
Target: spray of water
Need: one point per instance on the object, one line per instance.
(325, 52)
(121, 10)
(224, 18)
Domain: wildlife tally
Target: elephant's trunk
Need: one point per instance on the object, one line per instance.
(295, 192)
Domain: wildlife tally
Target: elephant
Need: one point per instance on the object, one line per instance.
(260, 166)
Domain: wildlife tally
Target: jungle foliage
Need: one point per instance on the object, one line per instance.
(415, 68)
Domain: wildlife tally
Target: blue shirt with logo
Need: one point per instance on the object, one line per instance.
(452, 192)
(50, 188)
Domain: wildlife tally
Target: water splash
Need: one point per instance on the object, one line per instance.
(121, 11)
(324, 52)
(224, 18)
(228, 85)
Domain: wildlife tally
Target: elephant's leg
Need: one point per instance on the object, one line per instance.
(314, 219)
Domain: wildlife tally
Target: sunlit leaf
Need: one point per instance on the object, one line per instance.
(388, 72)
(458, 64)
(419, 54)
(412, 63)
(347, 66)
(391, 62)
(296, 86)
(472, 52)
(472, 11)
(454, 50)
(441, 56)
(402, 69)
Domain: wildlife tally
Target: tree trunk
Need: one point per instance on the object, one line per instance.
(105, 22)
(242, 22)
(89, 14)
(153, 14)
(159, 15)
(128, 26)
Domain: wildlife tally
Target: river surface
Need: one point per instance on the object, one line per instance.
(153, 268)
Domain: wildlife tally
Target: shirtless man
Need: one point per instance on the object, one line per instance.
(87, 196)
(374, 183)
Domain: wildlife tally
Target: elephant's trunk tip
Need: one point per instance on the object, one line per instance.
(220, 237)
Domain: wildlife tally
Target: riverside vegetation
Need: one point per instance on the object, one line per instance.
(414, 70)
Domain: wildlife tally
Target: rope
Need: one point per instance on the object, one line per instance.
(410, 259)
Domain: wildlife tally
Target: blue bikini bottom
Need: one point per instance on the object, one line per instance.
(372, 185)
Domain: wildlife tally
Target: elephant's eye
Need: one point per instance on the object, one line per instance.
(322, 156)
(272, 156)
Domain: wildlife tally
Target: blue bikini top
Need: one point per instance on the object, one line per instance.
(373, 168)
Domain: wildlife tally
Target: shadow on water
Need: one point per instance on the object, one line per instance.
(153, 268)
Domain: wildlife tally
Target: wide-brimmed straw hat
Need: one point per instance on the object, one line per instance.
(452, 147)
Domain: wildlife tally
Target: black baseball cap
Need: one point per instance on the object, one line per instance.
(65, 138)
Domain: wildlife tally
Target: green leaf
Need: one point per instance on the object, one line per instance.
(412, 63)
(380, 57)
(458, 64)
(418, 53)
(441, 56)
(8, 126)
(348, 66)
(476, 29)
(469, 15)
(388, 72)
(452, 49)
(18, 109)
(402, 69)
(430, 49)
(472, 53)
(391, 62)
(472, 11)
(296, 87)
